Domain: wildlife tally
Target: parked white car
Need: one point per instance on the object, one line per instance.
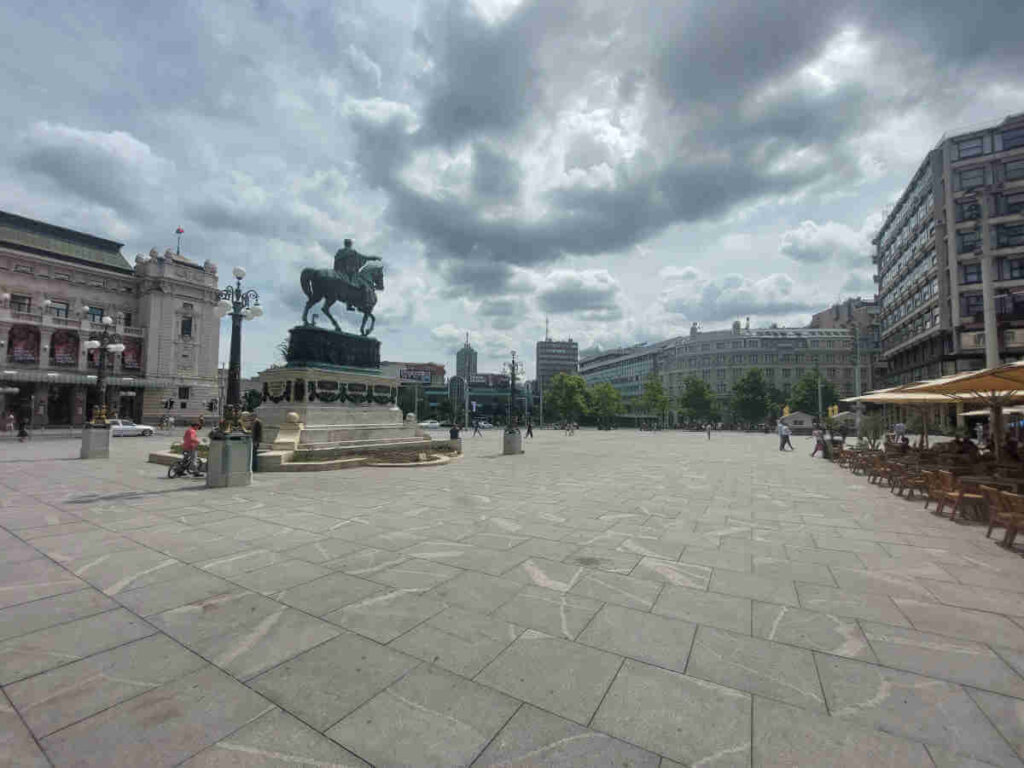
(430, 424)
(486, 425)
(128, 428)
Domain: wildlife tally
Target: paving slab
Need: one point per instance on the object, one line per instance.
(683, 718)
(555, 613)
(27, 655)
(428, 718)
(711, 608)
(811, 629)
(565, 678)
(33, 580)
(17, 747)
(867, 605)
(751, 664)
(629, 591)
(48, 611)
(959, 622)
(328, 593)
(385, 616)
(544, 573)
(1006, 713)
(538, 739)
(475, 591)
(162, 727)
(754, 586)
(326, 683)
(785, 736)
(915, 707)
(159, 597)
(642, 636)
(961, 661)
(62, 696)
(679, 574)
(272, 740)
(280, 576)
(458, 640)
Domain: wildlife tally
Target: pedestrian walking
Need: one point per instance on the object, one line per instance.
(476, 429)
(787, 436)
(781, 429)
(842, 433)
(257, 438)
(819, 442)
(529, 428)
(22, 430)
(10, 421)
(708, 427)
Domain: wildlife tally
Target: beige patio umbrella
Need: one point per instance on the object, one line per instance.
(918, 401)
(996, 387)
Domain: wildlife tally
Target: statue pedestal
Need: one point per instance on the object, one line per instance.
(95, 442)
(230, 461)
(320, 347)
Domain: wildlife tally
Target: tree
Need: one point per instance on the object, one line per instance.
(252, 399)
(606, 402)
(872, 429)
(804, 395)
(445, 412)
(567, 394)
(750, 397)
(654, 400)
(696, 402)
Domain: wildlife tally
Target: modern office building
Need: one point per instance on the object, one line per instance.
(465, 360)
(625, 368)
(57, 285)
(950, 257)
(554, 357)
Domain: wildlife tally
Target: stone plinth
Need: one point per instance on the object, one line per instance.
(230, 461)
(320, 347)
(95, 442)
(512, 443)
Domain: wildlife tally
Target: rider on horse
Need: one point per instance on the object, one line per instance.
(347, 263)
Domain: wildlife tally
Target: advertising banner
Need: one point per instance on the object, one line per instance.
(64, 348)
(131, 358)
(414, 376)
(23, 344)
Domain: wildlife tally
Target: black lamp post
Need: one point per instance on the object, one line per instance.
(514, 368)
(108, 342)
(242, 305)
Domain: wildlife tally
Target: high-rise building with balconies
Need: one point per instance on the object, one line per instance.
(950, 257)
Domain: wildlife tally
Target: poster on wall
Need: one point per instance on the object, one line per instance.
(23, 344)
(131, 358)
(64, 348)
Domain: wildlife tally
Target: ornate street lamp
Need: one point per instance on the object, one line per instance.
(514, 369)
(108, 342)
(242, 305)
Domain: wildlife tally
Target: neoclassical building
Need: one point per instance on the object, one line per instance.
(57, 285)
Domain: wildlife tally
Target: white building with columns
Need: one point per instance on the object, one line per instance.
(57, 285)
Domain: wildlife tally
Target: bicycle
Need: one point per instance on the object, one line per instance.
(185, 465)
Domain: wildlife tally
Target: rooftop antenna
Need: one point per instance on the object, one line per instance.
(179, 232)
(547, 329)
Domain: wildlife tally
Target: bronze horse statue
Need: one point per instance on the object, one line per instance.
(358, 292)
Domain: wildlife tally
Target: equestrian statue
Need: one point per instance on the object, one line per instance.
(353, 281)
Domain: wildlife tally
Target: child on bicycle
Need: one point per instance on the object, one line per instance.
(190, 443)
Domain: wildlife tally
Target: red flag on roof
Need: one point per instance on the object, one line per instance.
(179, 231)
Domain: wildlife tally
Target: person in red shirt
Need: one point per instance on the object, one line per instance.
(190, 443)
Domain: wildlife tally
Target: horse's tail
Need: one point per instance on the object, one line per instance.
(306, 280)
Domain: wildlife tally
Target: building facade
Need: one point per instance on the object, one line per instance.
(554, 357)
(860, 316)
(465, 360)
(783, 355)
(625, 368)
(950, 258)
(57, 285)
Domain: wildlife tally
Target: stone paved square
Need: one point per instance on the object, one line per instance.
(651, 600)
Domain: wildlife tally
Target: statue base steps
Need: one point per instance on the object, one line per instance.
(327, 417)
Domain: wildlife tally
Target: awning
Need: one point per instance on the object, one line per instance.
(89, 379)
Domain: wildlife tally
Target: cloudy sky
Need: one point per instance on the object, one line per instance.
(623, 168)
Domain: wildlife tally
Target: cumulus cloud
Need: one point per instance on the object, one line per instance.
(831, 241)
(591, 294)
(696, 297)
(112, 168)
